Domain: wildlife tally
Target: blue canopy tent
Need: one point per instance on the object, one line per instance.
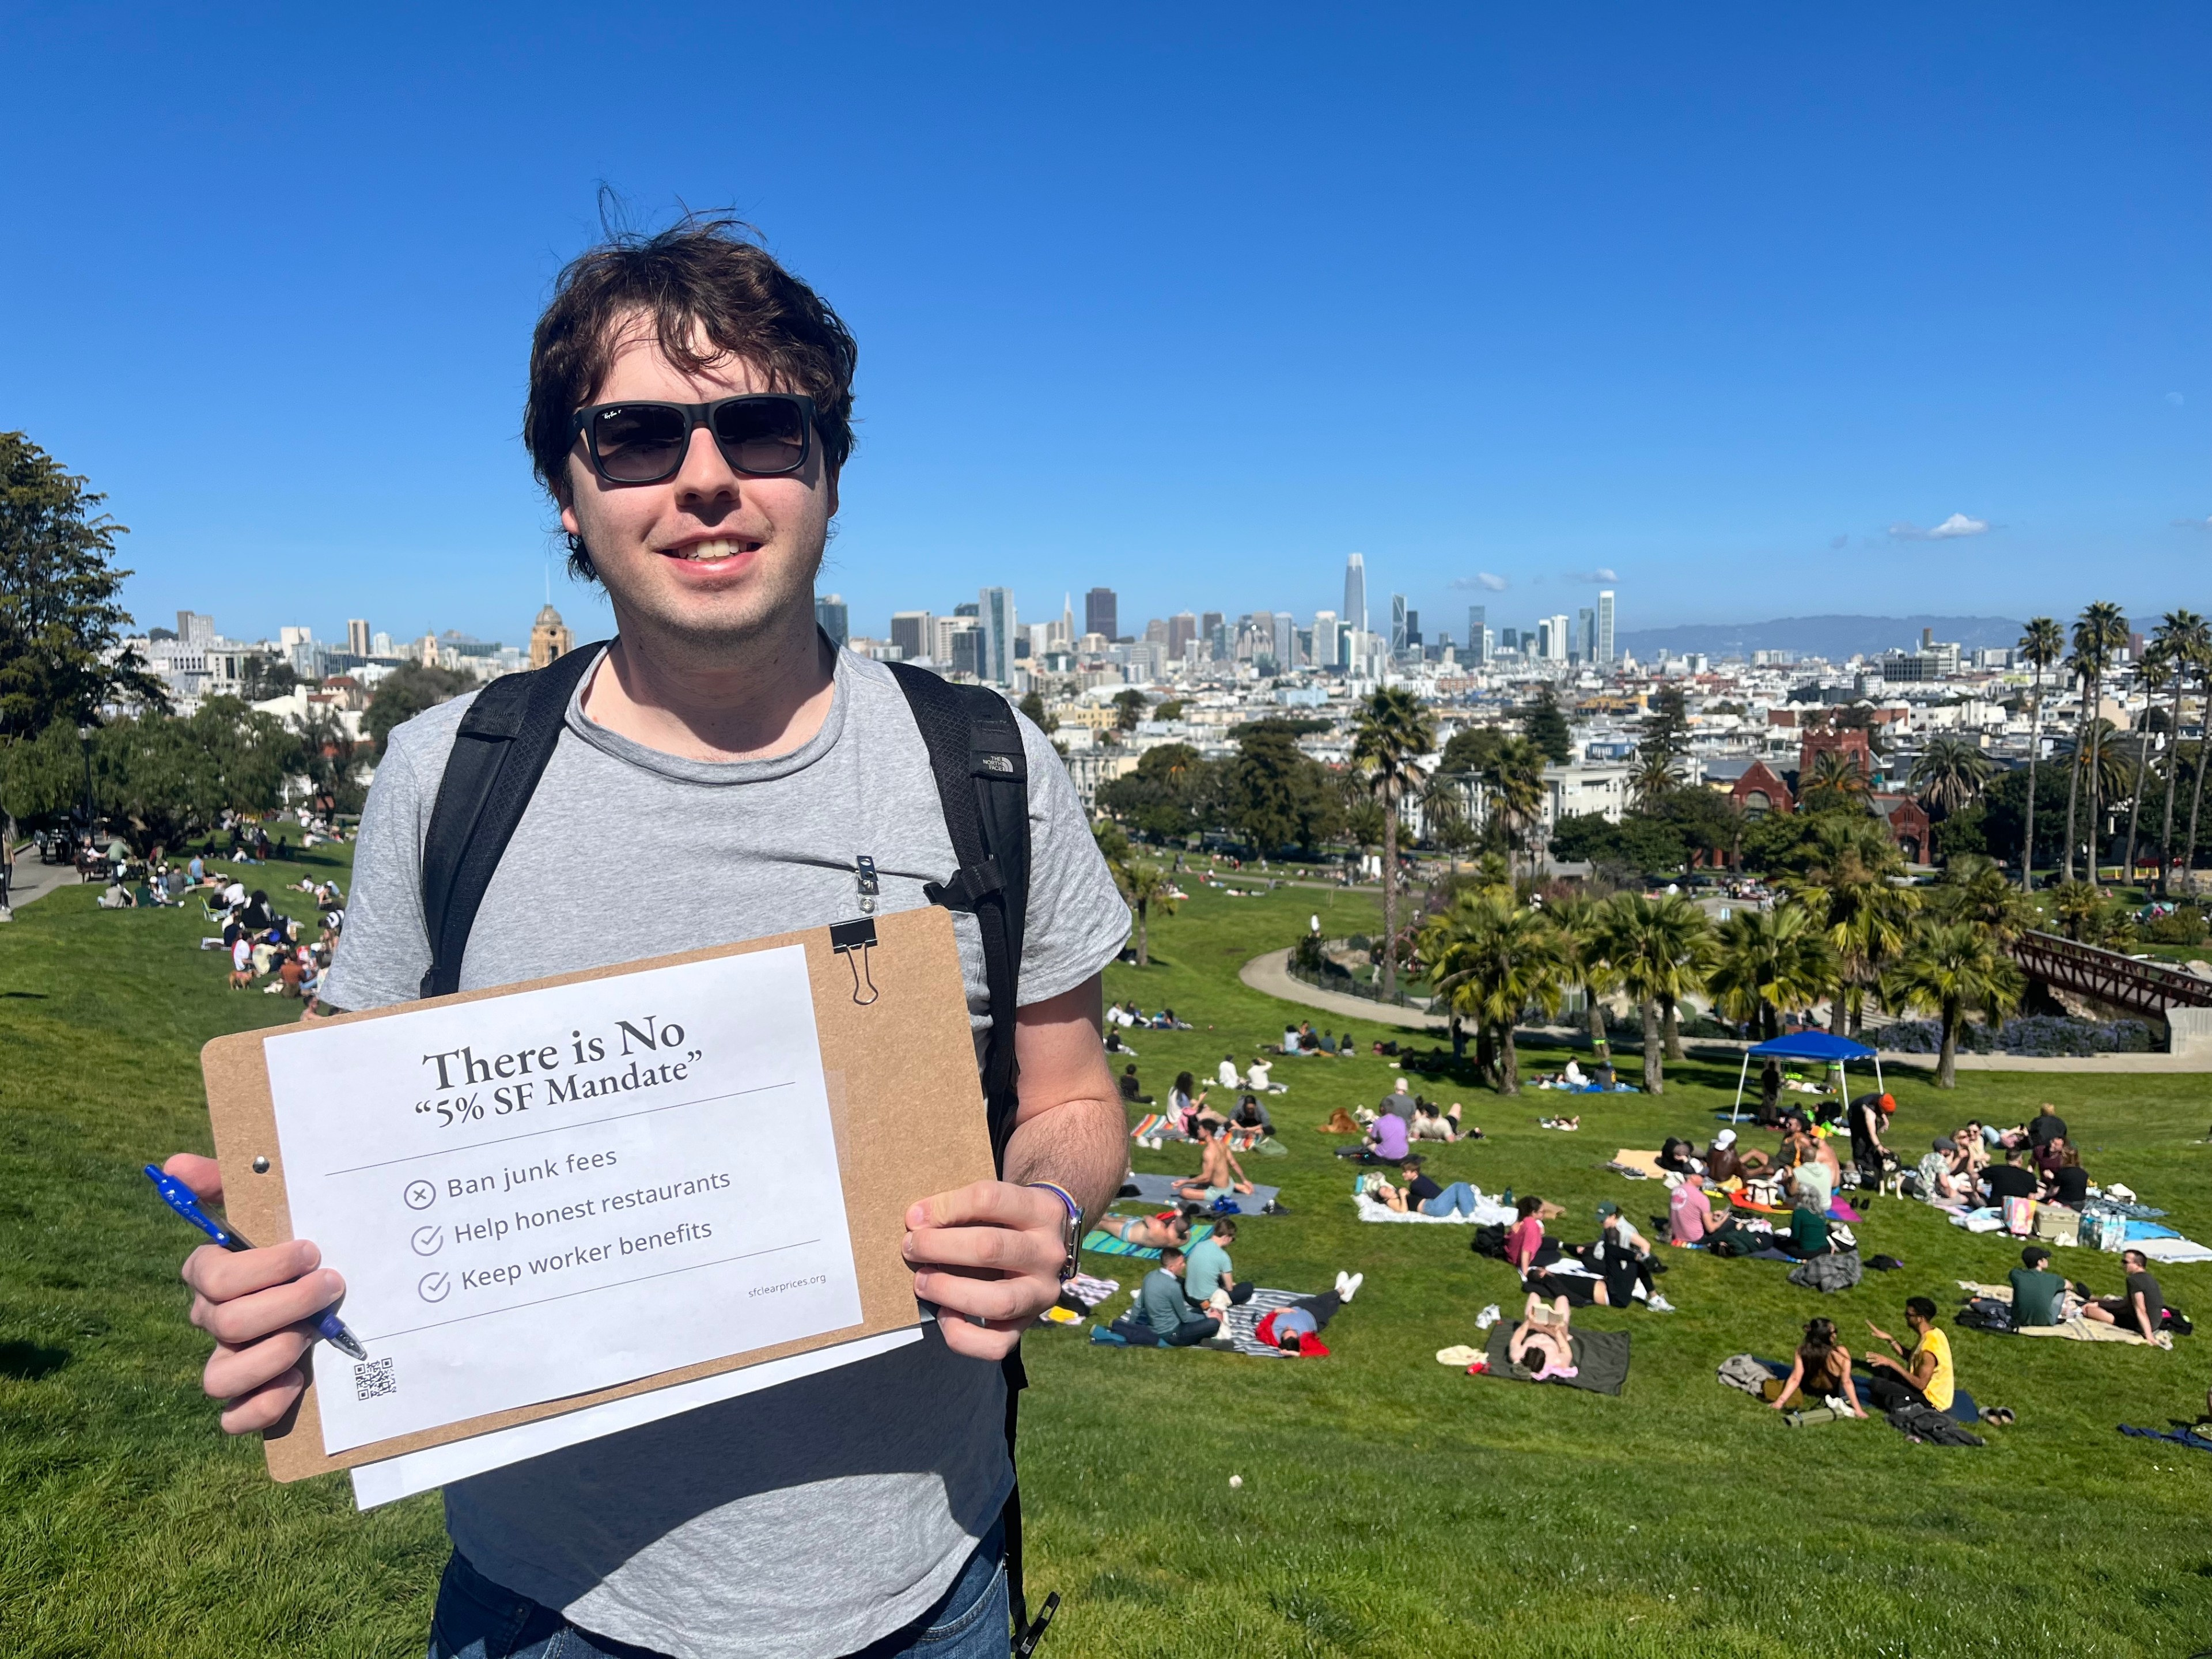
(1805, 1045)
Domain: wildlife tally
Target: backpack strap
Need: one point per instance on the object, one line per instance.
(981, 769)
(499, 753)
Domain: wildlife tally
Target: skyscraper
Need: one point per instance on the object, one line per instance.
(1586, 634)
(1355, 591)
(1099, 613)
(994, 650)
(1325, 647)
(1556, 626)
(1286, 640)
(913, 634)
(1478, 633)
(1397, 625)
(357, 640)
(1182, 628)
(1605, 627)
(829, 617)
(1413, 641)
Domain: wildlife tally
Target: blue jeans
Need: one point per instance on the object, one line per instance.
(1458, 1199)
(478, 1619)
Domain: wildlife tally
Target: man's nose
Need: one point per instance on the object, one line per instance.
(705, 474)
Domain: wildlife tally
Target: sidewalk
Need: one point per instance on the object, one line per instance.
(1269, 974)
(34, 880)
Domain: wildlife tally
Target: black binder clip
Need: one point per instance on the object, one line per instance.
(854, 940)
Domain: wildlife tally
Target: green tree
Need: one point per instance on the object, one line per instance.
(1040, 717)
(1766, 962)
(167, 780)
(1847, 881)
(1515, 779)
(1660, 948)
(62, 656)
(2041, 644)
(1949, 775)
(2187, 640)
(1470, 750)
(1950, 969)
(264, 678)
(1494, 958)
(2100, 634)
(2157, 670)
(1659, 749)
(1836, 780)
(1543, 725)
(1163, 797)
(327, 756)
(1273, 793)
(405, 692)
(1974, 892)
(1145, 886)
(1129, 708)
(1393, 731)
(43, 777)
(1579, 922)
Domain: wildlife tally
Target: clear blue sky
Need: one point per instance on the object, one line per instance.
(1191, 302)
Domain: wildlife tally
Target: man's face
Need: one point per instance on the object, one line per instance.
(711, 554)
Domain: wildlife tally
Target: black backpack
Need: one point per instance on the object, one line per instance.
(501, 752)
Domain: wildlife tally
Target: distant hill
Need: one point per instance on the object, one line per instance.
(1833, 637)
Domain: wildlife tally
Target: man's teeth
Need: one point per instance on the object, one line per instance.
(718, 550)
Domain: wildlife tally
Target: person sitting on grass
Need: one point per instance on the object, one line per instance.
(2069, 1182)
(1163, 1318)
(241, 963)
(1226, 1073)
(1219, 1173)
(117, 898)
(1386, 1141)
(1132, 1091)
(1526, 1236)
(2010, 1178)
(1183, 1104)
(2045, 1127)
(1209, 1281)
(1149, 1232)
(1422, 1193)
(1808, 1231)
(1938, 1173)
(1544, 1335)
(1821, 1371)
(2142, 1311)
(2038, 1296)
(1690, 1218)
(1927, 1378)
(1725, 1162)
(1250, 1118)
(1813, 1183)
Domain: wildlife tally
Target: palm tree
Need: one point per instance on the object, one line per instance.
(1837, 779)
(2100, 633)
(1515, 777)
(1394, 731)
(1950, 969)
(1767, 961)
(2157, 670)
(2042, 644)
(1865, 916)
(1951, 774)
(1974, 892)
(1144, 885)
(1494, 956)
(1659, 949)
(1655, 777)
(2187, 639)
(1579, 922)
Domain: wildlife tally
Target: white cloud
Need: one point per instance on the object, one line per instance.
(1956, 524)
(2175, 399)
(1601, 576)
(1481, 579)
(2193, 524)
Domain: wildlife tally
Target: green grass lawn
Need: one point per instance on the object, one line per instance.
(1390, 1505)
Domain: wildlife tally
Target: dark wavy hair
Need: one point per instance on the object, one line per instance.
(710, 290)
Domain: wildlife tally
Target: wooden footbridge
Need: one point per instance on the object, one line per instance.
(2109, 977)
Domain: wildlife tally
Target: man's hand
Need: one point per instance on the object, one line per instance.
(254, 1303)
(991, 1250)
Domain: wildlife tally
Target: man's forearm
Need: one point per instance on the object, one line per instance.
(1076, 1145)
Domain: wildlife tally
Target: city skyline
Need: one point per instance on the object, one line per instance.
(1720, 311)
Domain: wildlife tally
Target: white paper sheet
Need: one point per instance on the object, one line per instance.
(538, 1195)
(403, 1476)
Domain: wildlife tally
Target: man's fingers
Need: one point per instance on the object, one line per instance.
(980, 1342)
(249, 1318)
(203, 1174)
(263, 1407)
(1001, 1248)
(996, 1203)
(962, 1294)
(231, 1372)
(219, 1274)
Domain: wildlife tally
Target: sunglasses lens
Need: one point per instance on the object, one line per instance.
(765, 435)
(638, 443)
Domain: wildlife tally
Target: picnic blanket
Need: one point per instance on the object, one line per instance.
(1638, 1166)
(2078, 1330)
(1600, 1359)
(1159, 1190)
(1156, 1126)
(1099, 1242)
(1242, 1327)
(1487, 1211)
(1838, 1210)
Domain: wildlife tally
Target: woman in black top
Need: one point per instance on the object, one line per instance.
(2069, 1182)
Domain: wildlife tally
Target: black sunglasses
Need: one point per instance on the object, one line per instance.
(765, 435)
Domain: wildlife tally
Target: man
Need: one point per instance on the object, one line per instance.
(2045, 1127)
(2038, 1294)
(1725, 1162)
(1928, 1380)
(1226, 1073)
(1868, 1114)
(1219, 1173)
(1387, 1141)
(1163, 1318)
(753, 766)
(2142, 1310)
(1399, 1103)
(2010, 1178)
(1208, 1281)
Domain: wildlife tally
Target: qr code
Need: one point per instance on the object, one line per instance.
(374, 1380)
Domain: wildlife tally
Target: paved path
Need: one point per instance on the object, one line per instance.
(1270, 976)
(34, 880)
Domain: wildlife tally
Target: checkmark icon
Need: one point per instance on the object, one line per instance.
(429, 1241)
(436, 1287)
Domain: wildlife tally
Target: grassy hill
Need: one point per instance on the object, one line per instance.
(1390, 1505)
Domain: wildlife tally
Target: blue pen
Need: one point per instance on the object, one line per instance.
(180, 1198)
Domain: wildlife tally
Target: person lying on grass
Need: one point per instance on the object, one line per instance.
(1219, 1173)
(1430, 1123)
(2142, 1310)
(1421, 1195)
(1149, 1232)
(1822, 1370)
(1927, 1379)
(1543, 1344)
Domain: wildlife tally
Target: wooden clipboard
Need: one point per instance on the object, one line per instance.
(890, 1007)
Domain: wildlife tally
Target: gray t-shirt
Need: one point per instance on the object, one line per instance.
(805, 1521)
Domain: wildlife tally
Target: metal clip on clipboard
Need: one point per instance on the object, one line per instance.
(854, 940)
